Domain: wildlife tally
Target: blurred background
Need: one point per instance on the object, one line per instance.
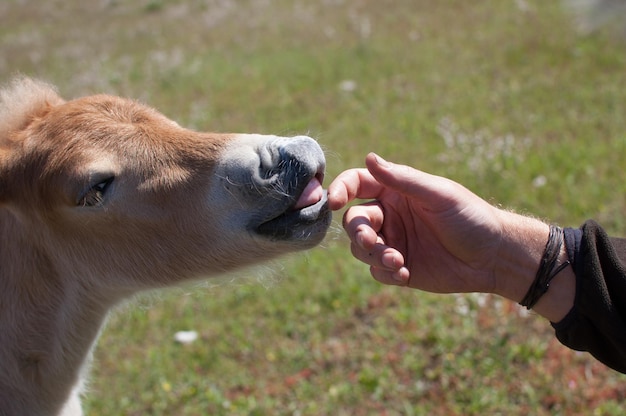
(522, 101)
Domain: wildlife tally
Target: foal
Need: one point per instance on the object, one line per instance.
(102, 197)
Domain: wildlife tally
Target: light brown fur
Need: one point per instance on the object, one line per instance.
(102, 197)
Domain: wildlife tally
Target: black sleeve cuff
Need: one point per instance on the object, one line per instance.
(597, 321)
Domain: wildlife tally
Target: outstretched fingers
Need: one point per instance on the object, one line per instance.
(386, 263)
(363, 224)
(398, 277)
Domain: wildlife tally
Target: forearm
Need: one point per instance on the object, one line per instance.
(522, 247)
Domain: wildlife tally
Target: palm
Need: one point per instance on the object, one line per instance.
(445, 247)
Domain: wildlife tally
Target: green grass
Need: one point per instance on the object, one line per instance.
(510, 101)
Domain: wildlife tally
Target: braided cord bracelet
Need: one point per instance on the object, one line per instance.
(546, 271)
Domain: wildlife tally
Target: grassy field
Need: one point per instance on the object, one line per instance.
(503, 96)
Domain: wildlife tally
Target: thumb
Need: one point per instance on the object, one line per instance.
(436, 192)
(403, 179)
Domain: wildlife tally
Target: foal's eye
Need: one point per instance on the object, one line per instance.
(95, 195)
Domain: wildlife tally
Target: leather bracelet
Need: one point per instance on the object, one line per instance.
(547, 270)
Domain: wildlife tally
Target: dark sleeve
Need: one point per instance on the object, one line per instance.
(597, 321)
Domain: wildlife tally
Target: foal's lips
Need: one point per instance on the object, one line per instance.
(310, 211)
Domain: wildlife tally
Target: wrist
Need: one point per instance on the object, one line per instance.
(521, 250)
(559, 298)
(521, 247)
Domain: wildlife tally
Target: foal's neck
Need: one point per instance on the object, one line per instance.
(48, 325)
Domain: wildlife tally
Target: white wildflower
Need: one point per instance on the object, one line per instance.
(347, 85)
(185, 337)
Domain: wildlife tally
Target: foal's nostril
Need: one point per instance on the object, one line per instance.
(270, 163)
(290, 160)
(271, 173)
(275, 162)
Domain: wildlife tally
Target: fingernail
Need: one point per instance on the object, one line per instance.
(391, 260)
(401, 275)
(333, 201)
(359, 239)
(382, 162)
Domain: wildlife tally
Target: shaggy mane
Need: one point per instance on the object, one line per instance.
(21, 100)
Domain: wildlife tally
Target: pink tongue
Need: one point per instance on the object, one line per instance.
(312, 194)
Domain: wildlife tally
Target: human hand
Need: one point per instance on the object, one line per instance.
(422, 231)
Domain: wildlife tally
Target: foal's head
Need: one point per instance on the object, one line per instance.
(110, 190)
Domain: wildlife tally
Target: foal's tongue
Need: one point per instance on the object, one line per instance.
(312, 194)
